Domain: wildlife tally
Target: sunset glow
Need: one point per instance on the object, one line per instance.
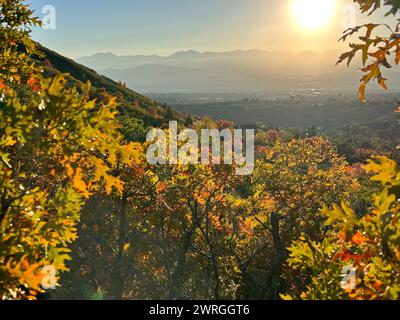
(313, 14)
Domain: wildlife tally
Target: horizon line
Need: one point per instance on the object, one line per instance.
(183, 51)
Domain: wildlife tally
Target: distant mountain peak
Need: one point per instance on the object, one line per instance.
(100, 55)
(185, 53)
(194, 53)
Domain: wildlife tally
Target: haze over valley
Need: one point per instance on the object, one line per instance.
(231, 71)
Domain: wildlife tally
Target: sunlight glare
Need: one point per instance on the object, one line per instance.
(313, 14)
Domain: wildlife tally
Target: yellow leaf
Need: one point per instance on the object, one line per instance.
(126, 247)
(9, 141)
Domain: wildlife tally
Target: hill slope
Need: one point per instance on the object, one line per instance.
(84, 74)
(135, 109)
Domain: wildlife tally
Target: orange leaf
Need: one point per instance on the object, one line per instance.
(28, 274)
(377, 284)
(382, 83)
(346, 255)
(115, 182)
(358, 238)
(79, 184)
(397, 59)
(70, 171)
(33, 83)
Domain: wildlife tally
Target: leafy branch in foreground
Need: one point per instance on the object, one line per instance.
(56, 148)
(375, 50)
(46, 146)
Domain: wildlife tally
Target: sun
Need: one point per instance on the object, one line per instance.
(313, 14)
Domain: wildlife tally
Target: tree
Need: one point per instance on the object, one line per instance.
(188, 121)
(185, 220)
(291, 182)
(16, 22)
(368, 243)
(56, 148)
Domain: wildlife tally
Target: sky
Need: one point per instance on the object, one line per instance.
(124, 27)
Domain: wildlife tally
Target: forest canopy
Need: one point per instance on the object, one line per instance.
(83, 215)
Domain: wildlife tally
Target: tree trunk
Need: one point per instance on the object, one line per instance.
(178, 276)
(119, 274)
(274, 277)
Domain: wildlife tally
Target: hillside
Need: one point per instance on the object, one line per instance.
(133, 106)
(84, 74)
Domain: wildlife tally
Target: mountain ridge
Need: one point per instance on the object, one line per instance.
(133, 106)
(196, 52)
(245, 70)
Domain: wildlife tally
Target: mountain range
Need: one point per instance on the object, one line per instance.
(137, 112)
(231, 71)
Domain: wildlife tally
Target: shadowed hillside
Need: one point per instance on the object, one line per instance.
(134, 107)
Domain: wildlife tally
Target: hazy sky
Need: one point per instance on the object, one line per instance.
(84, 27)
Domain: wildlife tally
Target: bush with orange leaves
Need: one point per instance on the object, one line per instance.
(370, 244)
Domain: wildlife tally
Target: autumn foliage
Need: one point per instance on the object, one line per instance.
(56, 149)
(369, 243)
(377, 51)
(78, 197)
